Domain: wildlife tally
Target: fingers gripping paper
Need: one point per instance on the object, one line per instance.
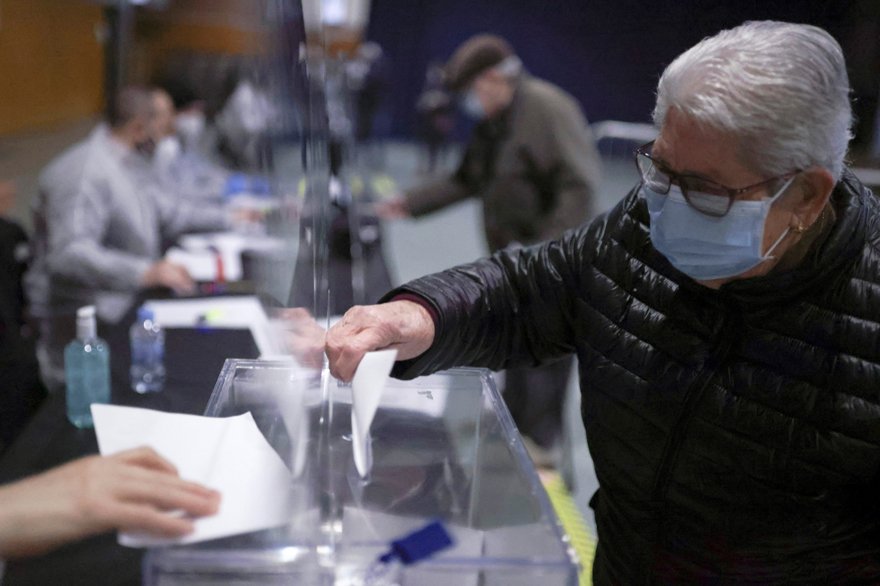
(366, 391)
(227, 454)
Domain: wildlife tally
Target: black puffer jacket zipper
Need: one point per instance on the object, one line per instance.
(726, 337)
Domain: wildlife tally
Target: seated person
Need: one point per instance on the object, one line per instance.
(100, 220)
(181, 167)
(129, 491)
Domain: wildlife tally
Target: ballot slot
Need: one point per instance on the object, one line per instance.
(443, 447)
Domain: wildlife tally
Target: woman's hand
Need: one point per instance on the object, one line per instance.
(136, 490)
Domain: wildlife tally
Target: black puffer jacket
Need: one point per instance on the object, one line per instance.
(735, 433)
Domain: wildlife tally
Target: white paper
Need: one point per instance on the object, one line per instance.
(366, 390)
(201, 265)
(243, 312)
(230, 246)
(228, 454)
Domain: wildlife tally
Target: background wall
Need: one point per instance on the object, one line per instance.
(195, 26)
(51, 63)
(607, 53)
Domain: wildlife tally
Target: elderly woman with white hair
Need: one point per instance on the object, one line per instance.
(726, 317)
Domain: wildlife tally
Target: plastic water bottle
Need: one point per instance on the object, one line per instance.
(86, 369)
(147, 353)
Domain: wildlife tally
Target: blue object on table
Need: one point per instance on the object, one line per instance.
(419, 545)
(235, 184)
(260, 186)
(239, 183)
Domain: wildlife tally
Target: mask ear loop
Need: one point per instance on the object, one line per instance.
(768, 254)
(799, 229)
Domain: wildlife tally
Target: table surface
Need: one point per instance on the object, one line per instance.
(193, 359)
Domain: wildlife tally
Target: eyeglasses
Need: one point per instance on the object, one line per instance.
(704, 195)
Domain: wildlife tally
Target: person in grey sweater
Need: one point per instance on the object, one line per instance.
(99, 223)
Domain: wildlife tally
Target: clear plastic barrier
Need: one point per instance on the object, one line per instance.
(444, 447)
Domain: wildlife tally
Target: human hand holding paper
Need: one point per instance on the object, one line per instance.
(229, 455)
(366, 390)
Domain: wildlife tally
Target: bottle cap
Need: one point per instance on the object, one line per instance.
(145, 313)
(86, 326)
(85, 312)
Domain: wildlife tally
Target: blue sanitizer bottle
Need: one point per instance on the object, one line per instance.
(147, 353)
(86, 369)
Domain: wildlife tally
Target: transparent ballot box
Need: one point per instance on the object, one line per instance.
(443, 447)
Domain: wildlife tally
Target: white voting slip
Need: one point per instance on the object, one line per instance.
(366, 390)
(227, 454)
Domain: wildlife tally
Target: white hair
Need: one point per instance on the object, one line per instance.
(781, 89)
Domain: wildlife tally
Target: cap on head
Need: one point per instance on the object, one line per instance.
(472, 58)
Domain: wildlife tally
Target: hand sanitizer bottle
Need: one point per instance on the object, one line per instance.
(86, 369)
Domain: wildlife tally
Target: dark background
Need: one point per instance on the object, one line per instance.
(608, 53)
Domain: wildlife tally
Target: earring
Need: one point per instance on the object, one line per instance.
(799, 229)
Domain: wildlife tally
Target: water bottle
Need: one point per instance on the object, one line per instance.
(147, 353)
(86, 369)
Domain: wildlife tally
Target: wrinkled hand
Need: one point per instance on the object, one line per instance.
(165, 273)
(401, 325)
(303, 336)
(130, 491)
(393, 208)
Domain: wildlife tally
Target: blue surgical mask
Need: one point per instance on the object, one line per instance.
(472, 105)
(706, 247)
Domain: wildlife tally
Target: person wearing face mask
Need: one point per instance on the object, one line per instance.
(533, 162)
(162, 131)
(177, 158)
(190, 125)
(99, 222)
(528, 134)
(726, 321)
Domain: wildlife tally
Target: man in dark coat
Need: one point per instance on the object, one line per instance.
(533, 162)
(726, 320)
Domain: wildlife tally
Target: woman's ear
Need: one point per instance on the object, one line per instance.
(816, 184)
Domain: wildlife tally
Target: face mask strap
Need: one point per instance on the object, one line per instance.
(777, 195)
(768, 254)
(782, 189)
